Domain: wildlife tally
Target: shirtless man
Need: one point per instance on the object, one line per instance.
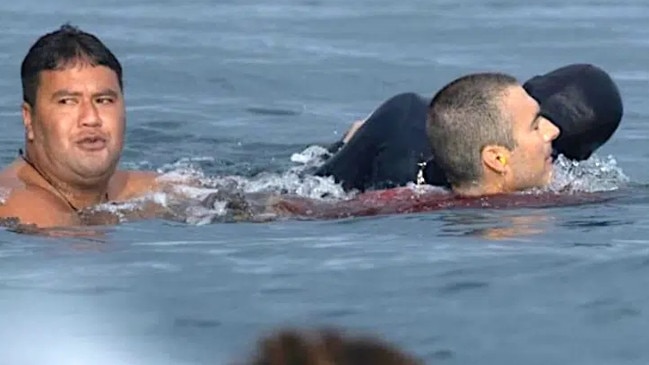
(74, 117)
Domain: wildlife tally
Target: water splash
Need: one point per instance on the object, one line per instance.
(592, 175)
(198, 199)
(296, 180)
(312, 156)
(4, 194)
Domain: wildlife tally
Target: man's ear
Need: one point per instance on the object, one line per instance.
(27, 121)
(496, 158)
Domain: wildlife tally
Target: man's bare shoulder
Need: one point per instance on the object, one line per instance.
(130, 184)
(9, 176)
(141, 177)
(29, 203)
(33, 205)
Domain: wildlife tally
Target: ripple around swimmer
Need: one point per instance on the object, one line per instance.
(98, 290)
(272, 111)
(462, 286)
(182, 243)
(334, 314)
(604, 311)
(195, 323)
(440, 355)
(281, 290)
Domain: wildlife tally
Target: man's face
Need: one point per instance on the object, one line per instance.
(530, 161)
(77, 123)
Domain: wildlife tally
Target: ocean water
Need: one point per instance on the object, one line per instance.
(239, 88)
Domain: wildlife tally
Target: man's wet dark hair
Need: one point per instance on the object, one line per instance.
(60, 49)
(465, 116)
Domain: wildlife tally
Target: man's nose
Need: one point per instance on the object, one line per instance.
(550, 130)
(89, 115)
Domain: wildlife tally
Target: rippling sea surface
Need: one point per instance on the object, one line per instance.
(238, 88)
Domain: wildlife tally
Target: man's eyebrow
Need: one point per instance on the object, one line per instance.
(107, 92)
(66, 92)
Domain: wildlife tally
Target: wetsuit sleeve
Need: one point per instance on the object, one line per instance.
(335, 147)
(385, 150)
(395, 165)
(351, 164)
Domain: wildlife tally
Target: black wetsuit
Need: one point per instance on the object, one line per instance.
(387, 150)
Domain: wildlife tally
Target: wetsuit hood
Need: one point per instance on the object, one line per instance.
(585, 104)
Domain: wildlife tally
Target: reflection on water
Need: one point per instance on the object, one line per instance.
(513, 227)
(494, 225)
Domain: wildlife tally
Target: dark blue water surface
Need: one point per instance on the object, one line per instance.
(238, 87)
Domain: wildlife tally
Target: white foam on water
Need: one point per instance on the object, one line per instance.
(200, 215)
(312, 155)
(294, 181)
(192, 185)
(347, 264)
(4, 194)
(592, 175)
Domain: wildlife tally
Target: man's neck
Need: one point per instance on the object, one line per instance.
(81, 199)
(478, 189)
(77, 196)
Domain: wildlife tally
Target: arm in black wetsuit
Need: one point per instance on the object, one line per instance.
(386, 149)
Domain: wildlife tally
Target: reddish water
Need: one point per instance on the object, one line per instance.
(406, 200)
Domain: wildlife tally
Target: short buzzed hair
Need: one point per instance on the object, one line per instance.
(465, 116)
